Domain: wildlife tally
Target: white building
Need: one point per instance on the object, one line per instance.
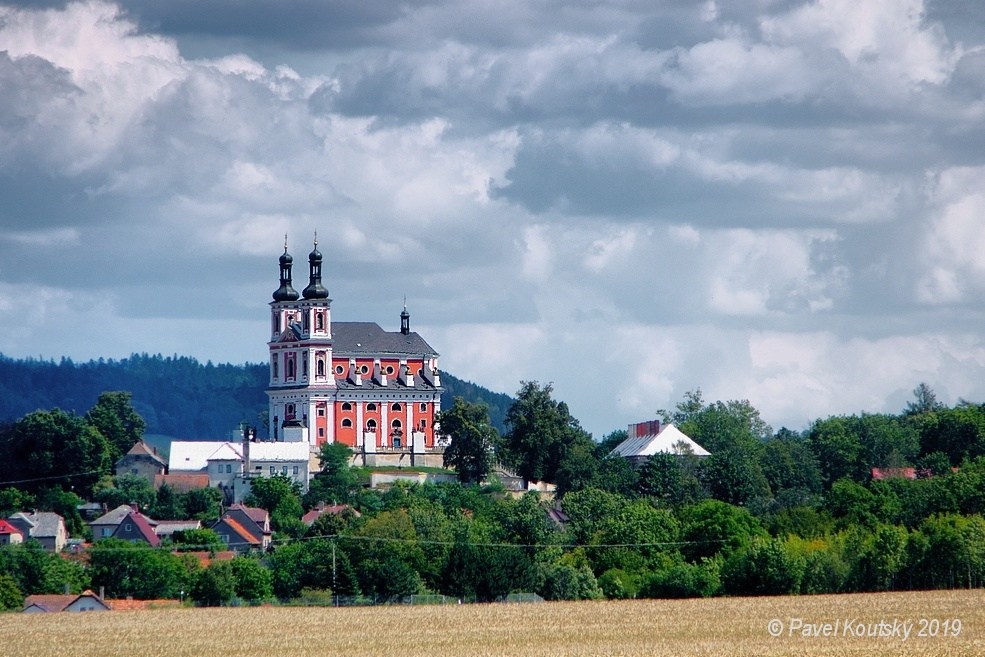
(230, 465)
(645, 439)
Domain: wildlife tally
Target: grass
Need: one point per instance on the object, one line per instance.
(723, 626)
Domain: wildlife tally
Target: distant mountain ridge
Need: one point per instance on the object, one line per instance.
(176, 395)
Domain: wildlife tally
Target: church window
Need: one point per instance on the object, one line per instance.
(371, 425)
(346, 406)
(321, 411)
(290, 367)
(371, 407)
(319, 321)
(274, 365)
(321, 432)
(424, 407)
(396, 424)
(389, 369)
(346, 423)
(305, 323)
(339, 369)
(321, 367)
(364, 370)
(396, 408)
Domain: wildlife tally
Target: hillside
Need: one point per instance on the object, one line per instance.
(177, 396)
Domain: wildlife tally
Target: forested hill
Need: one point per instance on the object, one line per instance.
(177, 396)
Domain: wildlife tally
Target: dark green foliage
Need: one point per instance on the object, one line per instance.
(37, 571)
(281, 497)
(670, 478)
(733, 476)
(253, 581)
(113, 416)
(497, 404)
(540, 433)
(700, 580)
(765, 567)
(139, 571)
(128, 489)
(473, 440)
(11, 596)
(215, 585)
(196, 540)
(312, 564)
(617, 584)
(337, 482)
(713, 527)
(567, 582)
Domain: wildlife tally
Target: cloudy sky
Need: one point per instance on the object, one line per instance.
(777, 200)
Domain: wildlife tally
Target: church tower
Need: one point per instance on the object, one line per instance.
(301, 387)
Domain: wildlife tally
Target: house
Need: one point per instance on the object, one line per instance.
(142, 460)
(10, 535)
(881, 474)
(105, 525)
(86, 601)
(332, 509)
(45, 527)
(137, 528)
(230, 466)
(648, 438)
(244, 528)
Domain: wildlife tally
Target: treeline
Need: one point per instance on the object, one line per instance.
(176, 395)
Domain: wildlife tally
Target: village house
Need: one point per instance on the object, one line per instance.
(137, 528)
(10, 535)
(142, 460)
(645, 439)
(45, 527)
(244, 528)
(86, 601)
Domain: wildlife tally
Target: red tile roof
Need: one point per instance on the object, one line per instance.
(7, 528)
(182, 483)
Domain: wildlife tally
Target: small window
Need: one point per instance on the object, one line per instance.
(127, 527)
(371, 425)
(339, 369)
(364, 370)
(297, 469)
(371, 407)
(229, 468)
(346, 423)
(321, 432)
(424, 407)
(321, 411)
(396, 408)
(424, 424)
(346, 406)
(284, 469)
(319, 321)
(389, 369)
(321, 367)
(396, 424)
(273, 470)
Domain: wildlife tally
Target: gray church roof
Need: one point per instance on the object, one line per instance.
(368, 338)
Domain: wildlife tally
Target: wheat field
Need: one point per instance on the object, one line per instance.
(717, 627)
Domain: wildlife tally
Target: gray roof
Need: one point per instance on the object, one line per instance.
(368, 338)
(114, 517)
(44, 523)
(392, 384)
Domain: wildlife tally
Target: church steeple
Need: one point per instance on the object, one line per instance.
(285, 292)
(315, 290)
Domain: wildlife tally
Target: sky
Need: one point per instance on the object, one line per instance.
(774, 200)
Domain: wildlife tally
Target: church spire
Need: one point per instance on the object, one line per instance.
(285, 292)
(315, 290)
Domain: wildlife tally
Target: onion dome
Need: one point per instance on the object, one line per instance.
(285, 292)
(315, 289)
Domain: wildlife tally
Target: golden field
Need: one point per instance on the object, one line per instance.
(717, 627)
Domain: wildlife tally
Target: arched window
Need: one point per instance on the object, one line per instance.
(290, 367)
(319, 321)
(289, 412)
(371, 407)
(396, 424)
(275, 368)
(321, 367)
(346, 406)
(346, 423)
(396, 408)
(371, 426)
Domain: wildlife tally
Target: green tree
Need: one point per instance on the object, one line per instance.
(712, 527)
(281, 497)
(37, 447)
(126, 489)
(567, 582)
(13, 500)
(196, 540)
(253, 582)
(139, 571)
(115, 418)
(670, 478)
(336, 482)
(11, 597)
(540, 433)
(473, 440)
(733, 476)
(765, 567)
(215, 585)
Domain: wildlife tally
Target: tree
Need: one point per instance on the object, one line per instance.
(196, 540)
(733, 476)
(115, 418)
(11, 597)
(253, 582)
(215, 585)
(670, 478)
(145, 573)
(280, 496)
(713, 527)
(765, 567)
(127, 489)
(37, 447)
(540, 433)
(473, 440)
(924, 401)
(336, 482)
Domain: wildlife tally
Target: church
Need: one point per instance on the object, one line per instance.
(376, 391)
